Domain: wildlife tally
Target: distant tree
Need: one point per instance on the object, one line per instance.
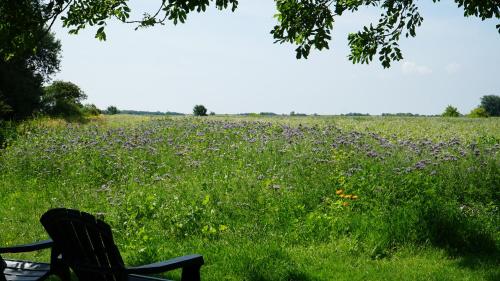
(63, 99)
(292, 113)
(404, 114)
(112, 110)
(212, 113)
(268, 114)
(199, 110)
(491, 104)
(450, 111)
(355, 114)
(174, 113)
(91, 109)
(478, 112)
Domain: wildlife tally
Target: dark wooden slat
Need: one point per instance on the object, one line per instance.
(102, 242)
(17, 270)
(135, 277)
(27, 247)
(90, 254)
(87, 247)
(27, 272)
(2, 266)
(21, 278)
(26, 265)
(91, 245)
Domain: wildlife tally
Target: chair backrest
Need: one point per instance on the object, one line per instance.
(86, 244)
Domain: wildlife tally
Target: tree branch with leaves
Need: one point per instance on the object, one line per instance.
(308, 24)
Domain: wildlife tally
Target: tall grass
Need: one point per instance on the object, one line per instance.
(271, 199)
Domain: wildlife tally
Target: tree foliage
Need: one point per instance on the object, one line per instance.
(199, 110)
(450, 111)
(91, 109)
(29, 55)
(478, 112)
(21, 78)
(63, 99)
(491, 104)
(306, 23)
(112, 110)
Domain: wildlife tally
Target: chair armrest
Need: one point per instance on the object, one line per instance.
(27, 247)
(175, 263)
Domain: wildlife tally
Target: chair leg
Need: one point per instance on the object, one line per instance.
(3, 265)
(57, 267)
(191, 273)
(63, 273)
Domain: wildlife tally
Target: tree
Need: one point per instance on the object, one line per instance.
(23, 72)
(450, 111)
(491, 104)
(478, 112)
(112, 110)
(305, 23)
(199, 110)
(63, 99)
(91, 109)
(21, 78)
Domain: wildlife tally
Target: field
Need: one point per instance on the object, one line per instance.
(304, 198)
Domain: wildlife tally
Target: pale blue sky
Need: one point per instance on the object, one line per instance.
(228, 62)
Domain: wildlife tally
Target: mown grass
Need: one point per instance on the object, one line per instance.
(271, 199)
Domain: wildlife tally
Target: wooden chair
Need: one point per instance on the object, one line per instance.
(19, 270)
(87, 247)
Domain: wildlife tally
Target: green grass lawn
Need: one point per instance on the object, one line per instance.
(305, 198)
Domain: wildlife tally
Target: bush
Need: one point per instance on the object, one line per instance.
(450, 111)
(91, 109)
(63, 99)
(478, 112)
(199, 110)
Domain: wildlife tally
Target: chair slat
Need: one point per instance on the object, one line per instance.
(24, 270)
(87, 247)
(26, 265)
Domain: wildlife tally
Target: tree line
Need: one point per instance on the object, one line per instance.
(489, 106)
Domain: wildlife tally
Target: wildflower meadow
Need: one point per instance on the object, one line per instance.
(277, 198)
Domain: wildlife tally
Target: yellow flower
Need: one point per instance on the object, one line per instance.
(339, 191)
(354, 197)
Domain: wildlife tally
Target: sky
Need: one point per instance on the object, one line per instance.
(228, 62)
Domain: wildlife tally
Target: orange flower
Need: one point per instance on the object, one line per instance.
(339, 191)
(354, 197)
(348, 196)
